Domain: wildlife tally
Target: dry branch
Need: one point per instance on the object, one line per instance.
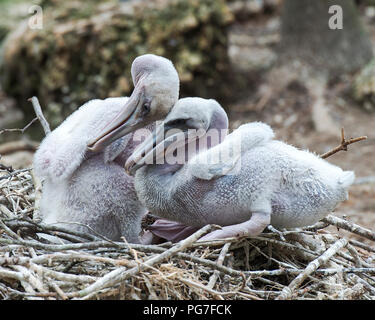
(220, 261)
(287, 292)
(349, 226)
(343, 145)
(122, 274)
(39, 114)
(19, 130)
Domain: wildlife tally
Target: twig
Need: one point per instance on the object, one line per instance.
(220, 261)
(293, 248)
(39, 114)
(47, 228)
(279, 233)
(98, 235)
(12, 244)
(364, 283)
(59, 257)
(349, 226)
(353, 252)
(325, 272)
(32, 280)
(218, 293)
(7, 274)
(317, 226)
(19, 130)
(6, 212)
(344, 144)
(14, 173)
(59, 291)
(287, 292)
(62, 276)
(80, 257)
(8, 231)
(361, 245)
(122, 274)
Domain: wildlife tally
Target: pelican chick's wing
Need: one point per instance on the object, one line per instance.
(63, 150)
(224, 157)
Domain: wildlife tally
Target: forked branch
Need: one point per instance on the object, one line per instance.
(344, 144)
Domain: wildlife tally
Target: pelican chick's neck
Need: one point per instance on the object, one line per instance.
(157, 183)
(218, 126)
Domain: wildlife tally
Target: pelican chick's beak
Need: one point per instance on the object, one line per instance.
(163, 141)
(156, 89)
(125, 122)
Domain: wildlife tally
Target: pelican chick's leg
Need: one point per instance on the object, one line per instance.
(165, 230)
(253, 227)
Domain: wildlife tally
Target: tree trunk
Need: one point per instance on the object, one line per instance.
(306, 36)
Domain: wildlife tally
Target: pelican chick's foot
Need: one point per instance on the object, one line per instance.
(250, 228)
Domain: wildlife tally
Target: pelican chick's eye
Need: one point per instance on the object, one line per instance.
(146, 107)
(177, 122)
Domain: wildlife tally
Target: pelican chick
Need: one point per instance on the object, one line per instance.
(82, 160)
(261, 182)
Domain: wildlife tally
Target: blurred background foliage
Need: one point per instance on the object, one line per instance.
(85, 49)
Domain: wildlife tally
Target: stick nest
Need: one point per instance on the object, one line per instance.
(309, 263)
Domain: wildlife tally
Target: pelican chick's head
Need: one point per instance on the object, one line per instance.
(156, 90)
(189, 120)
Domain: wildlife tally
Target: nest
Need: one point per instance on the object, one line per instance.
(309, 263)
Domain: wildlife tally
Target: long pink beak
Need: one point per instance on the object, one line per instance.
(121, 125)
(155, 147)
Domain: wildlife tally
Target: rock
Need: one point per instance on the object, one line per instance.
(320, 110)
(85, 50)
(251, 47)
(364, 87)
(307, 36)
